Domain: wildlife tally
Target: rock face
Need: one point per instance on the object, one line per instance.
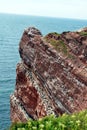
(52, 76)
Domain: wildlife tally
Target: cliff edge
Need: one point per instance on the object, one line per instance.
(52, 75)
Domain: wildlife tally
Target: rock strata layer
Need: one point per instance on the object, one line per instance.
(52, 75)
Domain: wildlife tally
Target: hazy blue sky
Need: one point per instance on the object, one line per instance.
(55, 8)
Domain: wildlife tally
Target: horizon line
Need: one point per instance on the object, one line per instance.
(33, 15)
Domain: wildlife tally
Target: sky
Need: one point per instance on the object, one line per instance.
(53, 8)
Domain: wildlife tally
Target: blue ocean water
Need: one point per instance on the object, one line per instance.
(11, 29)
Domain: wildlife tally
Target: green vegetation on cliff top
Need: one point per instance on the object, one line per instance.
(83, 33)
(55, 40)
(76, 121)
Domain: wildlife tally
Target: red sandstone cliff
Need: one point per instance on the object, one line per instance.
(52, 76)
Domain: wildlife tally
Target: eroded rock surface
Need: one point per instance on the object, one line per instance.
(52, 76)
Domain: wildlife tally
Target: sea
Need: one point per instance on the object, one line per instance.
(11, 30)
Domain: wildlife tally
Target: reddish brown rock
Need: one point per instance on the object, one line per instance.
(52, 77)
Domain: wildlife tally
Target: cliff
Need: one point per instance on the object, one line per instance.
(52, 75)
